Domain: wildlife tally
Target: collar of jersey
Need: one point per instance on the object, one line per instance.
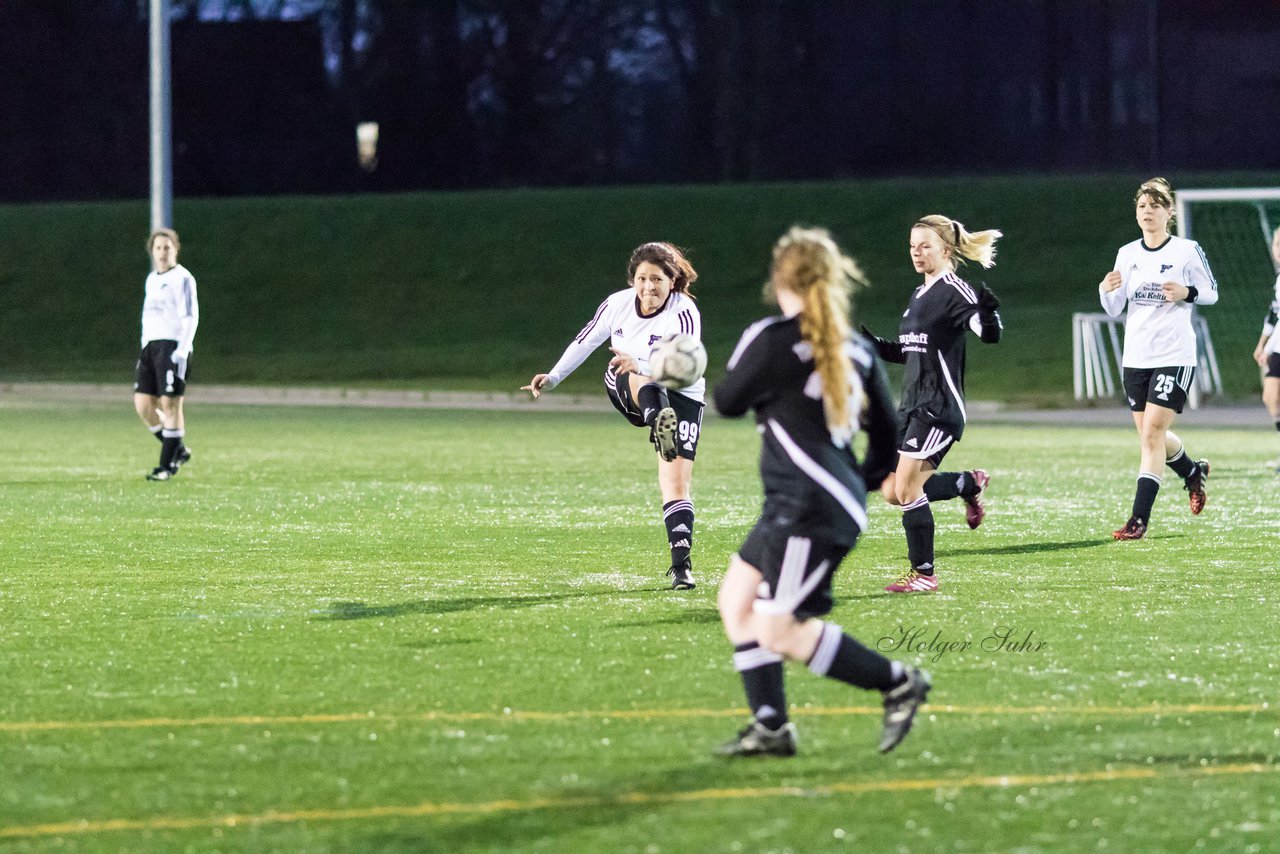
(656, 311)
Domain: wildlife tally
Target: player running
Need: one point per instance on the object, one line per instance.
(813, 385)
(1161, 277)
(657, 303)
(931, 343)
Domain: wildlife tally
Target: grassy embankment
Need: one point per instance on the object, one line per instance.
(480, 290)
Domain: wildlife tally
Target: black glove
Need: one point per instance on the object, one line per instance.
(987, 301)
(987, 317)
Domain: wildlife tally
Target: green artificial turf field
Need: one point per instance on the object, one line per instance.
(441, 631)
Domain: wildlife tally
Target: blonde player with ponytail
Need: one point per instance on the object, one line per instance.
(813, 384)
(931, 343)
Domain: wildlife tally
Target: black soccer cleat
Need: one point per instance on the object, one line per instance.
(181, 458)
(758, 740)
(900, 705)
(663, 433)
(682, 576)
(160, 473)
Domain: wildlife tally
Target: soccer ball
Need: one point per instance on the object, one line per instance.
(677, 361)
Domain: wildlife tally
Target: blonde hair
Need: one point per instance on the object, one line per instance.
(807, 262)
(1160, 191)
(977, 246)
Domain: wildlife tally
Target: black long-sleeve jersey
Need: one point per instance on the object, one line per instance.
(931, 342)
(813, 483)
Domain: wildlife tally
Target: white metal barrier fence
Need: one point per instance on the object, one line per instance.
(1096, 347)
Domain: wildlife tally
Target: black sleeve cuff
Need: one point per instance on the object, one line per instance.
(1192, 293)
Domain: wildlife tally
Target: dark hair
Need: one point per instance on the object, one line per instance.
(670, 259)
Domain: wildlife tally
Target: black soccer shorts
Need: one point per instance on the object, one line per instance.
(688, 413)
(157, 374)
(797, 571)
(1167, 387)
(924, 438)
(1273, 366)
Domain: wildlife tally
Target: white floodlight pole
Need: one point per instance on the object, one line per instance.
(161, 119)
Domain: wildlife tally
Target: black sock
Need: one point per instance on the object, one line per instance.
(156, 431)
(839, 656)
(1278, 424)
(172, 441)
(945, 485)
(678, 517)
(1182, 465)
(917, 521)
(652, 399)
(1145, 496)
(761, 673)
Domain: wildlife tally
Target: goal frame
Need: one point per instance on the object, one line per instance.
(1183, 198)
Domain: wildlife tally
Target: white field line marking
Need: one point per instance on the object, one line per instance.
(518, 716)
(430, 808)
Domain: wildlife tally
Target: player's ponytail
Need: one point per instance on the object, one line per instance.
(977, 246)
(808, 262)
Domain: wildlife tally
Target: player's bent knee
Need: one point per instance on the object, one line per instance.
(779, 634)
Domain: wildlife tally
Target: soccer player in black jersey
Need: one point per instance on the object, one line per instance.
(931, 343)
(813, 385)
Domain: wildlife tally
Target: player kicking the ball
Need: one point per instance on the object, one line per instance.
(657, 303)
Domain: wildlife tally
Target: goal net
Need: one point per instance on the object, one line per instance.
(1234, 227)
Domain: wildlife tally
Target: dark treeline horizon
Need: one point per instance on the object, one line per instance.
(503, 93)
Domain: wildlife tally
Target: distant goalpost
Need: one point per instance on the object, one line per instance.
(1234, 226)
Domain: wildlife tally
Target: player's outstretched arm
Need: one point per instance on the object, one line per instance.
(889, 351)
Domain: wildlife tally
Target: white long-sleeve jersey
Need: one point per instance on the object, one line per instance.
(1271, 325)
(620, 321)
(1158, 333)
(170, 310)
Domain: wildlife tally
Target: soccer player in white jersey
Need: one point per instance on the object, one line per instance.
(814, 384)
(657, 303)
(1161, 277)
(1267, 353)
(170, 314)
